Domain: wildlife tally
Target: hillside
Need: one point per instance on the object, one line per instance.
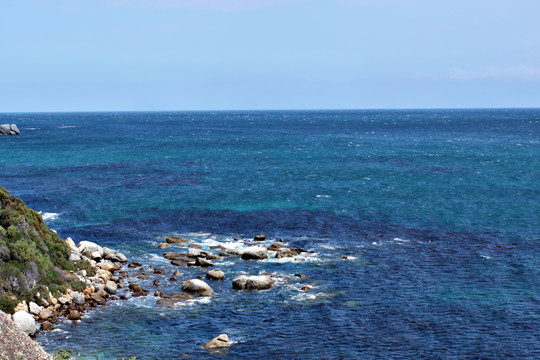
(33, 258)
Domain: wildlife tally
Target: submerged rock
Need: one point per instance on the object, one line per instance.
(283, 252)
(175, 240)
(261, 282)
(198, 287)
(218, 342)
(255, 253)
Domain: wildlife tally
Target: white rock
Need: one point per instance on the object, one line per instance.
(107, 265)
(197, 286)
(88, 248)
(78, 298)
(71, 243)
(255, 252)
(25, 322)
(34, 308)
(111, 287)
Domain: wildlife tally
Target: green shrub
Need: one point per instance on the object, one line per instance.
(13, 233)
(85, 265)
(63, 354)
(7, 304)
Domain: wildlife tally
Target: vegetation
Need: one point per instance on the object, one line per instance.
(31, 255)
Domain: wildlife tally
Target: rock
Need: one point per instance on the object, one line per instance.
(74, 256)
(159, 271)
(25, 322)
(47, 326)
(203, 263)
(173, 300)
(107, 265)
(179, 263)
(96, 255)
(111, 287)
(237, 252)
(135, 288)
(9, 129)
(283, 253)
(78, 299)
(260, 237)
(194, 246)
(197, 286)
(88, 248)
(212, 257)
(106, 275)
(63, 300)
(215, 275)
(97, 298)
(22, 306)
(45, 314)
(175, 255)
(74, 315)
(301, 276)
(34, 308)
(71, 244)
(172, 278)
(163, 246)
(114, 256)
(194, 253)
(175, 240)
(261, 282)
(217, 342)
(177, 273)
(275, 246)
(255, 253)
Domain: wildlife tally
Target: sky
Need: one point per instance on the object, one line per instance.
(151, 55)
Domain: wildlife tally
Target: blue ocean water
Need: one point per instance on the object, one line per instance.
(436, 211)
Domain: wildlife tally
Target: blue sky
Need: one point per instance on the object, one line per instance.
(101, 55)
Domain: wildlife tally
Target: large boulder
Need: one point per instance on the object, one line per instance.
(89, 249)
(218, 342)
(260, 282)
(112, 255)
(25, 322)
(78, 299)
(197, 286)
(255, 253)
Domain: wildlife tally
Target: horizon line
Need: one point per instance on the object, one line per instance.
(265, 110)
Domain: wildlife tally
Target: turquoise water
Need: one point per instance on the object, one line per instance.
(437, 211)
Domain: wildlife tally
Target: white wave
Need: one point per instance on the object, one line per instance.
(198, 234)
(323, 196)
(400, 239)
(48, 216)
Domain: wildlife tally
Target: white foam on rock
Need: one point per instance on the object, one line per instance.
(48, 216)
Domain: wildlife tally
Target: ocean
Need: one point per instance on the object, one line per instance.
(422, 225)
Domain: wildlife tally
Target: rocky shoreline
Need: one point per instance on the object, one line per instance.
(102, 280)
